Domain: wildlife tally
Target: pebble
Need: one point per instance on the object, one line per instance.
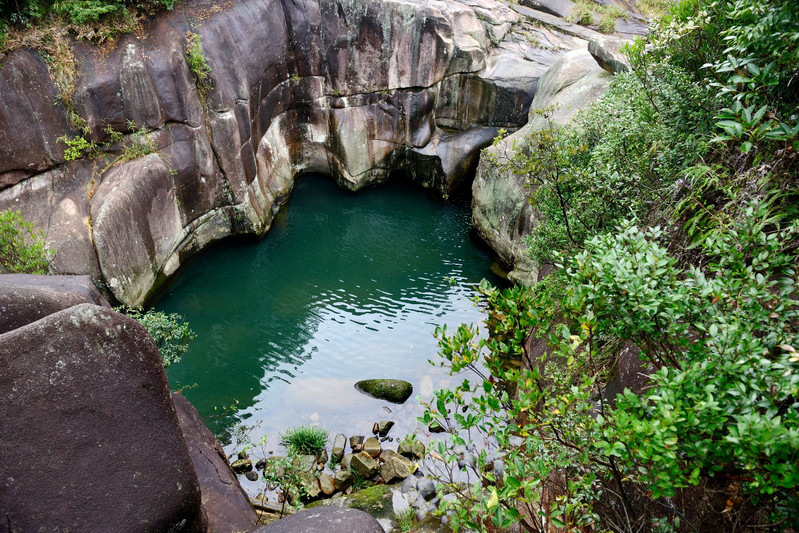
(260, 465)
(252, 475)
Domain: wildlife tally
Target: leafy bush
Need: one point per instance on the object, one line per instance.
(723, 403)
(22, 248)
(304, 440)
(616, 158)
(171, 334)
(701, 137)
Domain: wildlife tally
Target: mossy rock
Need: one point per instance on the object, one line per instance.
(390, 390)
(374, 500)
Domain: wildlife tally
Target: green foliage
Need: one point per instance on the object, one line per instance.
(616, 158)
(78, 147)
(196, 59)
(171, 334)
(288, 474)
(133, 145)
(723, 402)
(22, 248)
(702, 137)
(304, 440)
(79, 12)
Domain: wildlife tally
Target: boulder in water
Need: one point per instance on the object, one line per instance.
(390, 390)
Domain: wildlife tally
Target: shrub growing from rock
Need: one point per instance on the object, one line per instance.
(22, 248)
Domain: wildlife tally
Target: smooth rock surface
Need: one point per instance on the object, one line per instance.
(224, 501)
(84, 402)
(324, 519)
(25, 298)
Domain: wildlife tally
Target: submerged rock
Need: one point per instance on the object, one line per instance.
(390, 390)
(411, 448)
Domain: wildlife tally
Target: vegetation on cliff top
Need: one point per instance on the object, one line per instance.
(669, 208)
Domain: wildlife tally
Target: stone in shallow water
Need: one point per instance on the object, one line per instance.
(339, 444)
(344, 479)
(372, 447)
(327, 483)
(384, 426)
(356, 442)
(390, 390)
(396, 467)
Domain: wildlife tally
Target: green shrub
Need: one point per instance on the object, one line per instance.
(304, 440)
(22, 248)
(170, 333)
(724, 402)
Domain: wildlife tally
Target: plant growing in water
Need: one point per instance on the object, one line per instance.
(304, 440)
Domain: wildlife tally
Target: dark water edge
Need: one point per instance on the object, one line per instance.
(345, 286)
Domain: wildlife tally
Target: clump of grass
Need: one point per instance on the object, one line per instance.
(405, 519)
(304, 440)
(607, 23)
(582, 14)
(196, 59)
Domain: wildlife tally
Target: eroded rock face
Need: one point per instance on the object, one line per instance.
(90, 438)
(352, 88)
(501, 212)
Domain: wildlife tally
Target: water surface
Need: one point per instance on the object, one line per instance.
(345, 286)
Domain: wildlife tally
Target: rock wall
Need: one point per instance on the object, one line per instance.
(351, 88)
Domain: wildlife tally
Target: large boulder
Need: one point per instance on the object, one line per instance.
(224, 501)
(327, 519)
(90, 438)
(501, 212)
(25, 298)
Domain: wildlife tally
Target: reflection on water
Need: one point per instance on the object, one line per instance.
(344, 287)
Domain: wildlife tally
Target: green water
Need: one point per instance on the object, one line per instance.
(344, 287)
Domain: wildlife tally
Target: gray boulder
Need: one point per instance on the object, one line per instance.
(325, 519)
(25, 298)
(501, 213)
(84, 401)
(607, 52)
